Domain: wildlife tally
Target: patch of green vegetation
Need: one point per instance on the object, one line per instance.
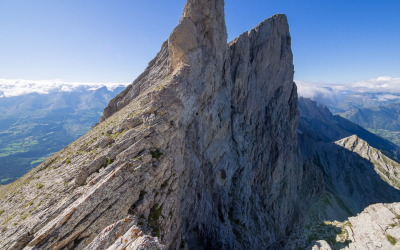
(392, 136)
(17, 147)
(24, 217)
(1, 212)
(165, 184)
(7, 220)
(155, 213)
(137, 158)
(26, 142)
(156, 154)
(5, 180)
(118, 134)
(108, 162)
(68, 161)
(391, 239)
(40, 160)
(134, 114)
(39, 186)
(348, 224)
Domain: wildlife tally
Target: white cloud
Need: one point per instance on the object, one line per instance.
(319, 92)
(331, 94)
(387, 97)
(19, 87)
(384, 84)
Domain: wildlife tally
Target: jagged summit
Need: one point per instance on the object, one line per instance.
(198, 40)
(199, 152)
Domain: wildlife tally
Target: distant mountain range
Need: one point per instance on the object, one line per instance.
(364, 100)
(370, 107)
(35, 126)
(381, 120)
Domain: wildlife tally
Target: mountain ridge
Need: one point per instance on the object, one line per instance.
(357, 177)
(183, 156)
(210, 148)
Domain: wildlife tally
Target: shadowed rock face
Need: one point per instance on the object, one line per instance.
(200, 152)
(359, 169)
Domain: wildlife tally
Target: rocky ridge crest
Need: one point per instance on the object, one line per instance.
(199, 152)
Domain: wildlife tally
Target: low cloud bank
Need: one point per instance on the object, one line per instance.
(331, 94)
(19, 87)
(320, 92)
(383, 84)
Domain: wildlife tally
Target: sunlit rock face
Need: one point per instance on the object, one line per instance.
(199, 152)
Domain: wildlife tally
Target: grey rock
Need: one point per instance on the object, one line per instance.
(377, 227)
(205, 154)
(321, 245)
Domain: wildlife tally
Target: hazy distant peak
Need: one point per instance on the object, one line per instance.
(17, 87)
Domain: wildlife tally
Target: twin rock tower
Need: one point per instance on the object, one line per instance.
(199, 152)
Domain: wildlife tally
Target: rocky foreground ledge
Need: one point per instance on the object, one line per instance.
(377, 227)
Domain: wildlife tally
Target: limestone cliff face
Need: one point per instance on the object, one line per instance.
(199, 152)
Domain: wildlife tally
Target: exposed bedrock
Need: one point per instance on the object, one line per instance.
(204, 151)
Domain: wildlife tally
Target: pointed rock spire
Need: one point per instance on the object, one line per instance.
(202, 27)
(201, 150)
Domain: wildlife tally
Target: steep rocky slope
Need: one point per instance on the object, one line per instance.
(200, 152)
(356, 175)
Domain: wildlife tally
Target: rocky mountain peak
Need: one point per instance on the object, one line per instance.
(199, 152)
(201, 31)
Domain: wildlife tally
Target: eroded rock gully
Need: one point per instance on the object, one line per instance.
(199, 152)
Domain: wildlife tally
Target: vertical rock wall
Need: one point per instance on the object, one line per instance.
(200, 151)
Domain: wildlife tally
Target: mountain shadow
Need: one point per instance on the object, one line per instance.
(359, 169)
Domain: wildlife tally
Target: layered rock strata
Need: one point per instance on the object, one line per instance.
(200, 152)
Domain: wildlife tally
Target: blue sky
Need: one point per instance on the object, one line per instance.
(112, 41)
